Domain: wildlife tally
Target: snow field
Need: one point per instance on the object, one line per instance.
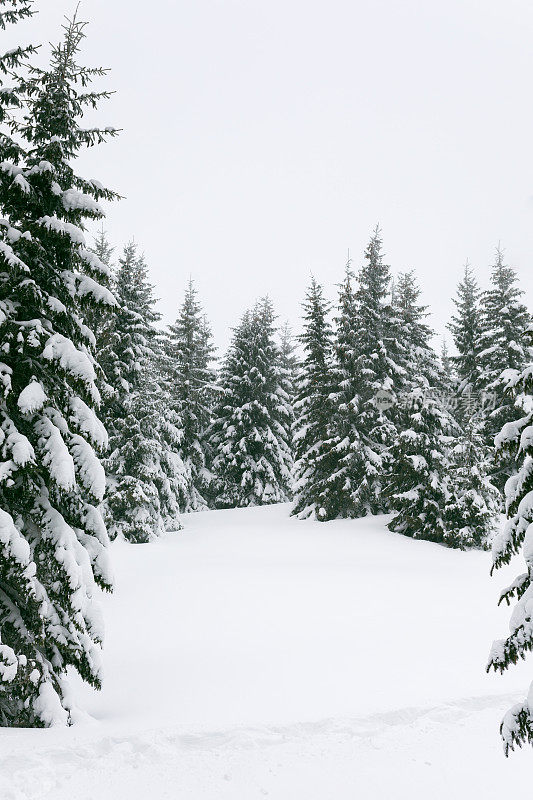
(252, 655)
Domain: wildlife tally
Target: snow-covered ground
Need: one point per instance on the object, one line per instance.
(252, 655)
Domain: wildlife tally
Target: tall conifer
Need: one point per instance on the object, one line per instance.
(377, 369)
(252, 455)
(190, 351)
(504, 320)
(314, 410)
(145, 473)
(466, 329)
(516, 440)
(53, 540)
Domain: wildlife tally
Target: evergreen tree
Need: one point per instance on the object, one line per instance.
(171, 477)
(346, 457)
(447, 380)
(377, 369)
(288, 358)
(445, 359)
(290, 369)
(373, 346)
(100, 318)
(190, 351)
(466, 329)
(252, 456)
(504, 319)
(313, 411)
(145, 474)
(472, 508)
(419, 484)
(104, 251)
(53, 540)
(414, 336)
(516, 441)
(103, 248)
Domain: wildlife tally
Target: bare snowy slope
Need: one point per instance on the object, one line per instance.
(252, 655)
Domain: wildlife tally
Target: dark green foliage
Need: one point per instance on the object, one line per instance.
(472, 508)
(376, 368)
(413, 335)
(516, 441)
(504, 319)
(250, 433)
(419, 487)
(52, 537)
(314, 410)
(191, 379)
(145, 473)
(344, 451)
(466, 330)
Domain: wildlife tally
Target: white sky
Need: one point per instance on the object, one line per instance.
(263, 139)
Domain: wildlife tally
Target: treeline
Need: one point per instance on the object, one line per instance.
(358, 416)
(429, 456)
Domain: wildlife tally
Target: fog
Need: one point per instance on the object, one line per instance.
(262, 140)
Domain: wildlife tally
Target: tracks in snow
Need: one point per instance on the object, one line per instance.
(30, 769)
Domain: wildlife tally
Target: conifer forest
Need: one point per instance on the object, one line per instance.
(253, 566)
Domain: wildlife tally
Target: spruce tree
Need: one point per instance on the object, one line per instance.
(145, 473)
(166, 427)
(190, 351)
(419, 484)
(314, 408)
(98, 318)
(466, 329)
(346, 458)
(447, 378)
(445, 358)
(53, 540)
(250, 437)
(289, 359)
(472, 508)
(414, 335)
(289, 371)
(504, 319)
(377, 369)
(516, 441)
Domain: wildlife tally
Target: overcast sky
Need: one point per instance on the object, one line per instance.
(262, 139)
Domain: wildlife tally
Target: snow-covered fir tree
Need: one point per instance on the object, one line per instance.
(288, 358)
(371, 350)
(414, 335)
(97, 318)
(250, 434)
(419, 483)
(145, 473)
(52, 536)
(447, 379)
(191, 376)
(314, 410)
(376, 369)
(504, 319)
(445, 358)
(438, 485)
(290, 368)
(132, 505)
(170, 478)
(343, 450)
(466, 329)
(516, 440)
(473, 506)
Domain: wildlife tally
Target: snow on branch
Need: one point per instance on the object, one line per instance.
(60, 349)
(73, 200)
(66, 228)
